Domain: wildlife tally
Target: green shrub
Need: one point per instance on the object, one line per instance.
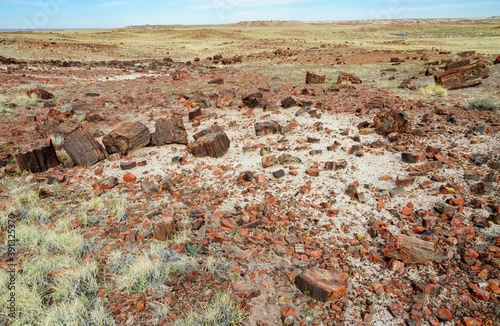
(482, 104)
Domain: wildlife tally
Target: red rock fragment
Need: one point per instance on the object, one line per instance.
(479, 293)
(107, 183)
(246, 290)
(129, 177)
(395, 310)
(445, 314)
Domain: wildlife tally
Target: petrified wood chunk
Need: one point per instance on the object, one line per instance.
(288, 102)
(322, 285)
(345, 78)
(387, 122)
(194, 113)
(126, 138)
(457, 64)
(212, 130)
(213, 145)
(83, 149)
(313, 78)
(37, 157)
(462, 77)
(225, 98)
(412, 251)
(169, 130)
(40, 93)
(267, 127)
(164, 228)
(253, 100)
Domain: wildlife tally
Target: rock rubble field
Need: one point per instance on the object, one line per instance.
(167, 192)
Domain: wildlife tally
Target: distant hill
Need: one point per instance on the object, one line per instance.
(297, 23)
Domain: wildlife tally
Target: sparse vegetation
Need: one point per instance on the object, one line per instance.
(482, 104)
(223, 310)
(433, 89)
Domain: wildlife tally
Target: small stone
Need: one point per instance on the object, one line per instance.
(107, 183)
(279, 174)
(129, 177)
(128, 165)
(288, 102)
(404, 181)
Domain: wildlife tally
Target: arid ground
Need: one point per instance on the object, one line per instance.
(319, 213)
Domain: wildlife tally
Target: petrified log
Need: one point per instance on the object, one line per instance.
(194, 113)
(225, 98)
(288, 102)
(37, 157)
(345, 78)
(412, 251)
(462, 77)
(253, 100)
(322, 285)
(212, 130)
(168, 131)
(213, 145)
(40, 93)
(164, 228)
(126, 138)
(379, 102)
(83, 149)
(387, 122)
(412, 157)
(267, 127)
(457, 64)
(313, 78)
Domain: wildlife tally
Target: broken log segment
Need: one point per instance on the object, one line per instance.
(37, 157)
(322, 285)
(313, 78)
(213, 144)
(462, 77)
(411, 250)
(164, 228)
(83, 149)
(169, 130)
(126, 138)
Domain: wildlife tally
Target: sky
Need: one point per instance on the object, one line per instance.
(55, 14)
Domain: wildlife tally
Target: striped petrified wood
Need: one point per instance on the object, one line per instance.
(37, 157)
(126, 138)
(322, 285)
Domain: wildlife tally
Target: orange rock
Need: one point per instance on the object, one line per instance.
(129, 177)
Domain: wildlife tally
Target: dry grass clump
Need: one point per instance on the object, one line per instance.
(482, 104)
(433, 89)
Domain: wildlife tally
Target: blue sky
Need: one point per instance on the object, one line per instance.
(43, 14)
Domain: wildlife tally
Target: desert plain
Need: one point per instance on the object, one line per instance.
(241, 193)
